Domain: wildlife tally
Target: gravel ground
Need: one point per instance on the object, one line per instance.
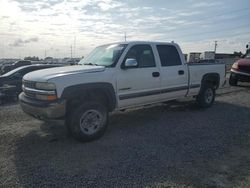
(173, 145)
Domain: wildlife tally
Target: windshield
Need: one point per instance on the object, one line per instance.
(247, 55)
(106, 55)
(13, 71)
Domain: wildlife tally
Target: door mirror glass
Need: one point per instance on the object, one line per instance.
(130, 62)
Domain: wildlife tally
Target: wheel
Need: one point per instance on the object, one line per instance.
(206, 96)
(88, 122)
(233, 81)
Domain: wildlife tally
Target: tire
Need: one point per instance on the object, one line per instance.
(206, 97)
(233, 81)
(88, 122)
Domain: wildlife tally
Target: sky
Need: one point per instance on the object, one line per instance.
(58, 28)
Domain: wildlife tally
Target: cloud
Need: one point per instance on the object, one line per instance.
(28, 8)
(205, 4)
(105, 5)
(103, 21)
(33, 6)
(190, 13)
(4, 17)
(20, 42)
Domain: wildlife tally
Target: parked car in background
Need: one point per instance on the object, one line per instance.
(7, 68)
(2, 67)
(240, 71)
(11, 82)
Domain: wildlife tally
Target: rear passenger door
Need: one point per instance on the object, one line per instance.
(174, 75)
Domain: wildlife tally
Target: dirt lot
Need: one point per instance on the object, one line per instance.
(174, 145)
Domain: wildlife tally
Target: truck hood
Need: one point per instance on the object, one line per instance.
(243, 62)
(46, 74)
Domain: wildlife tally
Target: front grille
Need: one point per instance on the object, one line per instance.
(29, 84)
(29, 94)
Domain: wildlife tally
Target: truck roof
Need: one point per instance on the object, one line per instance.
(142, 42)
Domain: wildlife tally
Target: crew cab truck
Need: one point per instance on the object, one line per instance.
(117, 76)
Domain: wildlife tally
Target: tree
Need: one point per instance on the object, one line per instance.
(238, 54)
(34, 58)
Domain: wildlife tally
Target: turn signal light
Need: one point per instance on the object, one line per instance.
(51, 97)
(46, 97)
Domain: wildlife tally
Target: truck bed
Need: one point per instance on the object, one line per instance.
(198, 70)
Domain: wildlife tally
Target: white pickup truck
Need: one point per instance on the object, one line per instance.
(115, 77)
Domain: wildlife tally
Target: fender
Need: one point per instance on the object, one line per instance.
(74, 91)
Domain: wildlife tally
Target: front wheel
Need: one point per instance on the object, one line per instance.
(206, 96)
(88, 122)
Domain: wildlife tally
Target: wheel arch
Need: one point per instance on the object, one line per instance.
(213, 78)
(89, 91)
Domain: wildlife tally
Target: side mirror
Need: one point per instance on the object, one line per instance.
(130, 63)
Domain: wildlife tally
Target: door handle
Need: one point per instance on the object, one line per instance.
(155, 74)
(181, 72)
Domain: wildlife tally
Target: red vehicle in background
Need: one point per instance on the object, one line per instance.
(240, 70)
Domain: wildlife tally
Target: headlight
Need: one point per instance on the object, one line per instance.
(235, 66)
(45, 86)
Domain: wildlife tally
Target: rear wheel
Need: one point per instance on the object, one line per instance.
(88, 122)
(206, 96)
(233, 81)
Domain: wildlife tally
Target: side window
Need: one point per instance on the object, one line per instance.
(27, 70)
(143, 54)
(169, 55)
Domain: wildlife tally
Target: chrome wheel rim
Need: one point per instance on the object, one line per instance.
(209, 94)
(91, 122)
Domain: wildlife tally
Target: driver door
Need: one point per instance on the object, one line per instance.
(139, 84)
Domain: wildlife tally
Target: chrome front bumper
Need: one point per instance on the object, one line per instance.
(42, 110)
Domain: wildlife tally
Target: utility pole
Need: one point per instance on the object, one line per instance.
(125, 37)
(3, 50)
(45, 53)
(75, 46)
(71, 51)
(215, 46)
